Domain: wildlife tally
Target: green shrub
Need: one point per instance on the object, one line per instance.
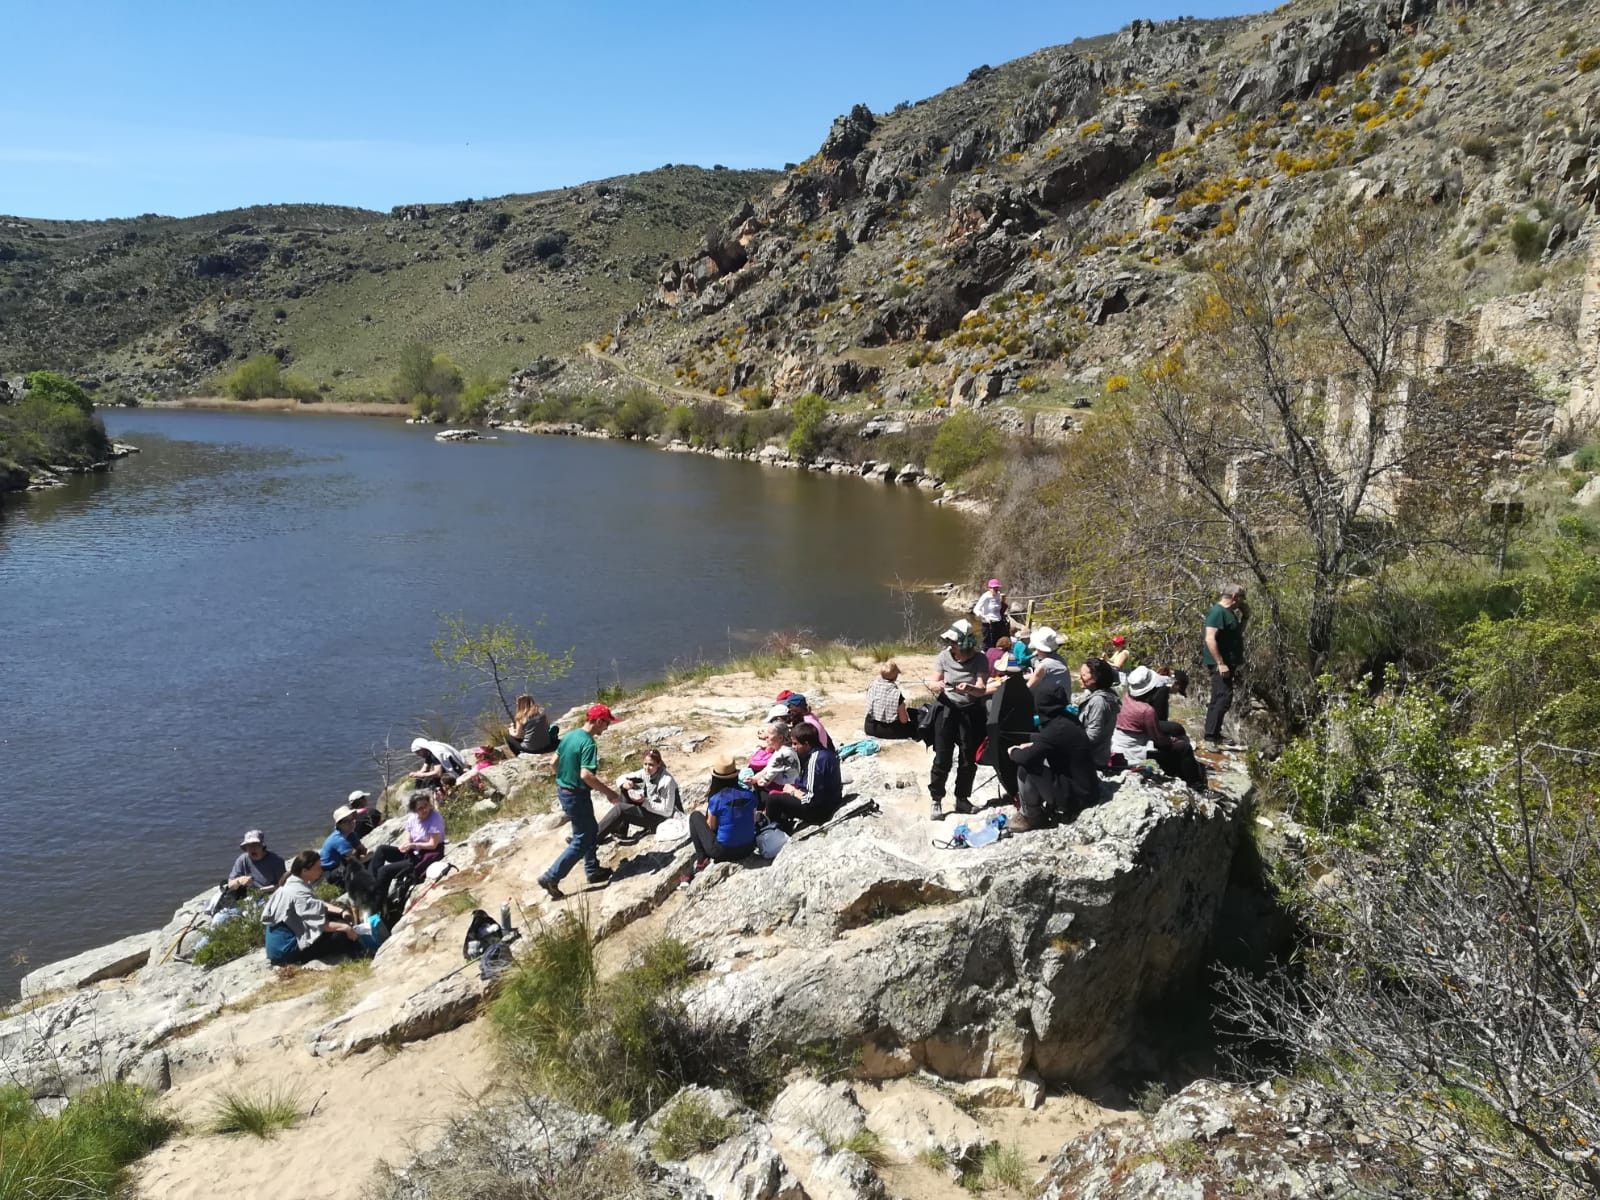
(868, 1145)
(638, 416)
(58, 389)
(1590, 61)
(82, 1152)
(1588, 457)
(472, 406)
(38, 429)
(1479, 147)
(678, 422)
(233, 938)
(426, 377)
(261, 1115)
(964, 440)
(998, 1166)
(257, 378)
(1527, 239)
(689, 1128)
(809, 414)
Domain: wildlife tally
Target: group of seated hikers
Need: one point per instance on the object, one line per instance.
(1005, 699)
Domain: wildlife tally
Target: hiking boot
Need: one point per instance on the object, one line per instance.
(601, 877)
(551, 888)
(964, 806)
(1021, 824)
(936, 811)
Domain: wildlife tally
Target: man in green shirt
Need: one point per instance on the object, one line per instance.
(577, 760)
(1223, 655)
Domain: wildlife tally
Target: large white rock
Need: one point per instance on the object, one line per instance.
(120, 958)
(1037, 952)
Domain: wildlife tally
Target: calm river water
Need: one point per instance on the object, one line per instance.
(217, 635)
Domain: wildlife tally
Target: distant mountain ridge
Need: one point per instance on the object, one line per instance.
(155, 306)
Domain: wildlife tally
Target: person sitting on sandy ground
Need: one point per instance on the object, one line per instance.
(648, 797)
(300, 927)
(886, 707)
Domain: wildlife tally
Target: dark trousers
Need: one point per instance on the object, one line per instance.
(993, 631)
(1221, 701)
(888, 730)
(624, 816)
(1178, 760)
(957, 730)
(706, 844)
(580, 812)
(788, 812)
(387, 863)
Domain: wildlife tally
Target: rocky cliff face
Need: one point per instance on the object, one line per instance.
(1028, 233)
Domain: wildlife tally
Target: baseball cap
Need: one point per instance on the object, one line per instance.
(795, 700)
(784, 695)
(355, 798)
(253, 838)
(778, 712)
(994, 583)
(599, 712)
(1119, 640)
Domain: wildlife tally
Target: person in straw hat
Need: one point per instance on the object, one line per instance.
(726, 831)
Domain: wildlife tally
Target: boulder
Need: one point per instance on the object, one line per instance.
(1037, 952)
(120, 958)
(811, 1122)
(912, 1119)
(745, 1165)
(440, 1006)
(1215, 1139)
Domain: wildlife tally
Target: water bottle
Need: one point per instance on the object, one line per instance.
(505, 917)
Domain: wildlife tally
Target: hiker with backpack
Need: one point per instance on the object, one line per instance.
(301, 927)
(422, 844)
(726, 830)
(816, 795)
(649, 797)
(577, 761)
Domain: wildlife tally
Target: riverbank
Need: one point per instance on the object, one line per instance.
(865, 935)
(44, 477)
(907, 474)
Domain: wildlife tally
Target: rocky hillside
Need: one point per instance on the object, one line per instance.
(154, 306)
(1030, 232)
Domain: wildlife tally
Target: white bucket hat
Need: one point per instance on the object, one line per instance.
(1044, 640)
(1142, 680)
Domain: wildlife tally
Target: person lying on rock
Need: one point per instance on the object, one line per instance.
(1056, 777)
(649, 797)
(342, 845)
(530, 731)
(257, 870)
(1139, 735)
(301, 927)
(421, 845)
(726, 831)
(577, 764)
(886, 707)
(774, 764)
(816, 795)
(441, 763)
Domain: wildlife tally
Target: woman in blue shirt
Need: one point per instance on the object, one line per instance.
(726, 831)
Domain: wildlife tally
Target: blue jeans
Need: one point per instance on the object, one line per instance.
(580, 811)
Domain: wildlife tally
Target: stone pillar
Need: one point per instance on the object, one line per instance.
(1580, 415)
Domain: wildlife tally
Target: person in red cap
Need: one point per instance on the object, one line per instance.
(577, 761)
(1118, 657)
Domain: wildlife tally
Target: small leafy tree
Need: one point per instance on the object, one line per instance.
(58, 389)
(637, 416)
(964, 440)
(430, 381)
(256, 378)
(809, 413)
(498, 656)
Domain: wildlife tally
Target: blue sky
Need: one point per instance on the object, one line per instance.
(116, 109)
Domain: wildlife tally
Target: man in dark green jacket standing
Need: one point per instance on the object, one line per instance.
(1224, 656)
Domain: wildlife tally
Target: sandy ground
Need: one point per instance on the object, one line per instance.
(356, 408)
(383, 1106)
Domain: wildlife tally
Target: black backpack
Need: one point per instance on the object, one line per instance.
(483, 931)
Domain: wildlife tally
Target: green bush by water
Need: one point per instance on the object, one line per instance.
(83, 1152)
